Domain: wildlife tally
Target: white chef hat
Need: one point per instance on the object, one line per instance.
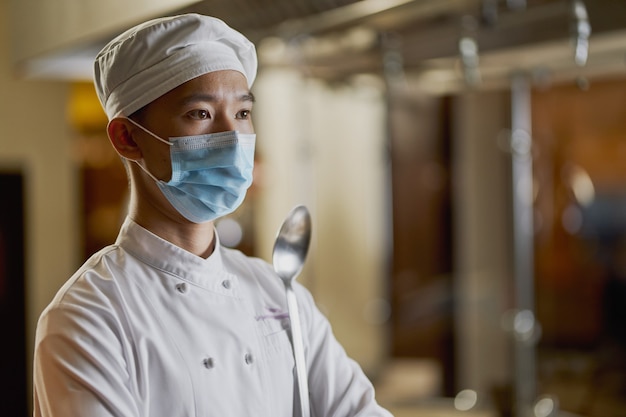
(147, 61)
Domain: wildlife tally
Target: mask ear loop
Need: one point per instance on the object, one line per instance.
(153, 135)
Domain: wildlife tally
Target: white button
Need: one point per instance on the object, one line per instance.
(249, 359)
(208, 363)
(226, 284)
(182, 287)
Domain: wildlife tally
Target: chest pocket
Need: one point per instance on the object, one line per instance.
(275, 338)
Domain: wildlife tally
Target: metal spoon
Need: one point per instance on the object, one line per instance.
(290, 250)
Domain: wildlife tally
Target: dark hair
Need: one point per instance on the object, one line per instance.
(138, 115)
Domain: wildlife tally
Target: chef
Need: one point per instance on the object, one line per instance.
(167, 322)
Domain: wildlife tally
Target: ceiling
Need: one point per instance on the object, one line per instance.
(260, 18)
(286, 18)
(335, 39)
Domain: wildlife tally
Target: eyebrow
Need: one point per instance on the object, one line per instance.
(247, 97)
(194, 98)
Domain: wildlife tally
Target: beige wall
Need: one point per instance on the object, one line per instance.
(323, 146)
(35, 140)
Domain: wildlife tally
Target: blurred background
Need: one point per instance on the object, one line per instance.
(464, 162)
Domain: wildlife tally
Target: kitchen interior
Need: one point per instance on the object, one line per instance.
(463, 162)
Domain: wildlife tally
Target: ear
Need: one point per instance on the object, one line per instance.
(119, 131)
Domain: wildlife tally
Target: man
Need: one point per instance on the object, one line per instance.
(167, 322)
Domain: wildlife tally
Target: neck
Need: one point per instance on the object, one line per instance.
(149, 208)
(198, 239)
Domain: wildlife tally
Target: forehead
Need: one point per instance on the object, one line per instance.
(220, 81)
(218, 86)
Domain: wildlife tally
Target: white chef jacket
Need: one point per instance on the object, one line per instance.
(145, 328)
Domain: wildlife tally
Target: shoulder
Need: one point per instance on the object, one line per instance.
(98, 272)
(90, 295)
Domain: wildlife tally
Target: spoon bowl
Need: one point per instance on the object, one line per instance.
(292, 244)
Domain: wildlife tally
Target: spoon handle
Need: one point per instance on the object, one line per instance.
(298, 350)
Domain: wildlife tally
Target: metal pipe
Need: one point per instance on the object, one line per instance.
(581, 30)
(525, 326)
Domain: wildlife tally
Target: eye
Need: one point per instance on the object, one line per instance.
(199, 114)
(243, 114)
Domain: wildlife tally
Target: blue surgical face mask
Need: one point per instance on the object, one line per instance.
(210, 173)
